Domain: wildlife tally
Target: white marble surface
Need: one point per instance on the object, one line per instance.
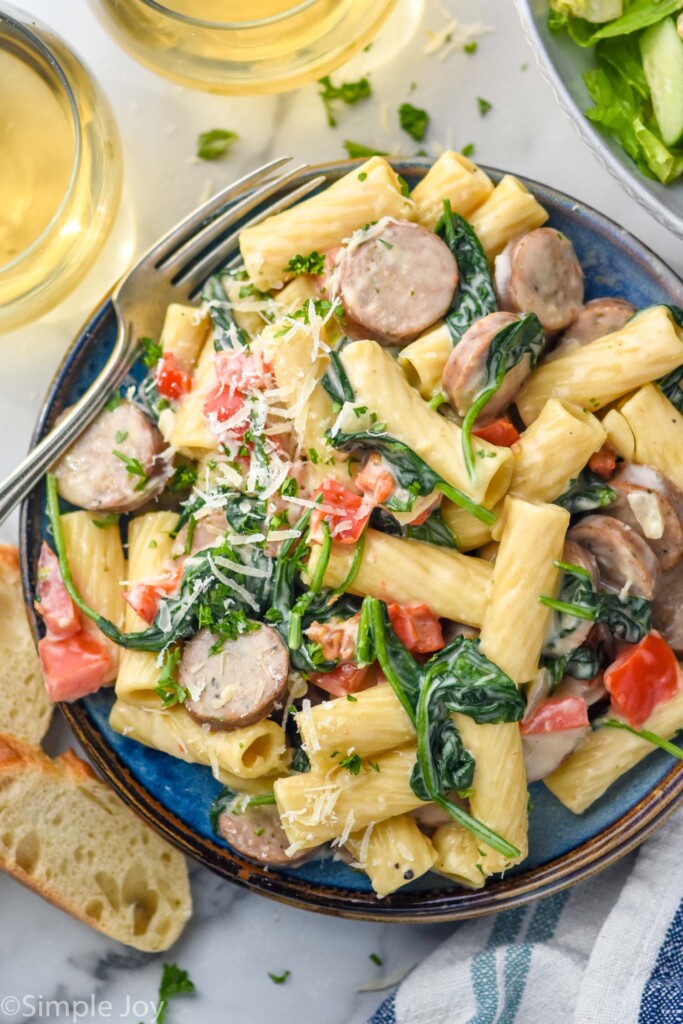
(236, 938)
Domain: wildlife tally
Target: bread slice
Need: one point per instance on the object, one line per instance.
(66, 835)
(25, 710)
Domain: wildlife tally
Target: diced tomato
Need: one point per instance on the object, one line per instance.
(73, 666)
(500, 432)
(54, 604)
(604, 461)
(417, 627)
(643, 676)
(556, 715)
(170, 379)
(223, 405)
(344, 679)
(143, 597)
(351, 511)
(375, 480)
(242, 371)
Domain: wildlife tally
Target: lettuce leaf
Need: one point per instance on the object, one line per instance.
(638, 15)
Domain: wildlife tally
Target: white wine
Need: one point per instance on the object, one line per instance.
(231, 10)
(37, 149)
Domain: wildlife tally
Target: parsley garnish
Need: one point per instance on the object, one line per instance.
(121, 436)
(251, 291)
(403, 185)
(357, 149)
(314, 263)
(215, 144)
(114, 402)
(108, 519)
(471, 47)
(313, 456)
(484, 106)
(350, 697)
(168, 687)
(152, 352)
(387, 245)
(290, 488)
(352, 763)
(362, 176)
(279, 979)
(376, 959)
(413, 120)
(183, 477)
(133, 468)
(174, 982)
(468, 150)
(347, 92)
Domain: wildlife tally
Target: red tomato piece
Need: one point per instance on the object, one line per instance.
(170, 379)
(417, 627)
(604, 461)
(143, 597)
(642, 677)
(344, 679)
(242, 371)
(351, 511)
(557, 715)
(54, 604)
(374, 480)
(500, 432)
(223, 405)
(73, 666)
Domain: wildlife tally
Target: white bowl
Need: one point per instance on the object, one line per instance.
(563, 63)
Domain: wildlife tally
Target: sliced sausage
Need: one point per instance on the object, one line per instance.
(543, 752)
(464, 374)
(394, 281)
(667, 608)
(92, 476)
(257, 833)
(539, 273)
(597, 318)
(566, 632)
(625, 560)
(238, 684)
(653, 507)
(208, 531)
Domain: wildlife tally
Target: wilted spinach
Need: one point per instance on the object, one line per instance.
(475, 295)
(586, 492)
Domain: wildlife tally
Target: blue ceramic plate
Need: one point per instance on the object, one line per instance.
(175, 797)
(563, 64)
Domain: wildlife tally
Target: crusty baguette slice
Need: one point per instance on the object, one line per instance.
(25, 710)
(65, 834)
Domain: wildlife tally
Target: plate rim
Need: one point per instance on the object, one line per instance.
(422, 906)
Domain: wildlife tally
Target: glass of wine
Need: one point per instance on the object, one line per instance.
(235, 46)
(60, 169)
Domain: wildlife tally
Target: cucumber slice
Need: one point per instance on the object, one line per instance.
(662, 51)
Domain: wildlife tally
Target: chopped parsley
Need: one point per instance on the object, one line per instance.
(251, 291)
(471, 47)
(350, 697)
(347, 92)
(403, 185)
(357, 149)
(313, 456)
(376, 959)
(314, 263)
(362, 176)
(352, 763)
(168, 687)
(114, 402)
(183, 478)
(468, 150)
(279, 979)
(321, 308)
(290, 488)
(152, 351)
(108, 519)
(387, 245)
(214, 144)
(133, 468)
(375, 766)
(413, 120)
(174, 982)
(484, 106)
(121, 436)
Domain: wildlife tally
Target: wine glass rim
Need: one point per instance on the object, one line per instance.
(15, 17)
(190, 19)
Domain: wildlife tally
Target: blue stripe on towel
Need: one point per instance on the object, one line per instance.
(386, 1014)
(662, 1001)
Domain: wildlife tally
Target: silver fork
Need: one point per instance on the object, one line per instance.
(173, 270)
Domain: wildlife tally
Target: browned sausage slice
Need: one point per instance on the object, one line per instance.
(597, 318)
(653, 507)
(395, 280)
(208, 531)
(237, 685)
(539, 273)
(92, 476)
(566, 632)
(464, 374)
(625, 560)
(667, 608)
(543, 752)
(257, 833)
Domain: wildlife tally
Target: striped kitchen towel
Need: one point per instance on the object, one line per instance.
(608, 951)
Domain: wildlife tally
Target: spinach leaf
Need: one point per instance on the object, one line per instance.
(434, 530)
(475, 296)
(335, 381)
(524, 339)
(672, 387)
(410, 471)
(586, 492)
(628, 619)
(457, 678)
(226, 332)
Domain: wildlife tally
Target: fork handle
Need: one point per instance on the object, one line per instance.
(21, 481)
